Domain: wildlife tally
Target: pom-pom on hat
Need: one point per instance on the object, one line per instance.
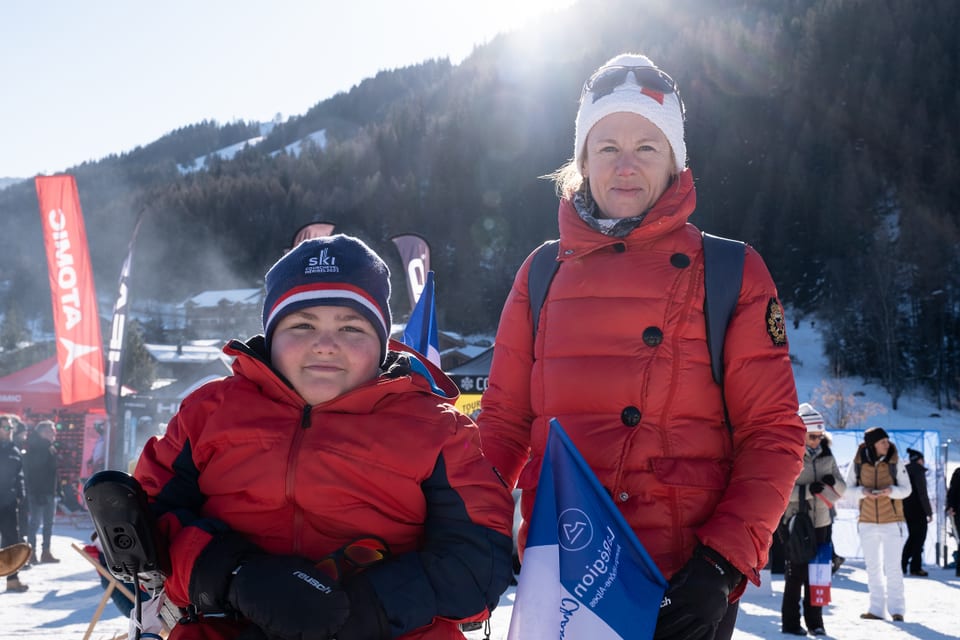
(811, 418)
(874, 435)
(664, 110)
(338, 271)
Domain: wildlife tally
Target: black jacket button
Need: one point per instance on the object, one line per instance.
(652, 336)
(680, 260)
(630, 416)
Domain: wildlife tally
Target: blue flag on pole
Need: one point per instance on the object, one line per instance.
(585, 573)
(421, 330)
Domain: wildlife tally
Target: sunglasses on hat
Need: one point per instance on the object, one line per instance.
(605, 80)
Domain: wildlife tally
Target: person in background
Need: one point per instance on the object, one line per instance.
(836, 560)
(11, 496)
(918, 513)
(953, 511)
(40, 471)
(620, 358)
(20, 434)
(20, 431)
(881, 482)
(328, 488)
(98, 456)
(823, 486)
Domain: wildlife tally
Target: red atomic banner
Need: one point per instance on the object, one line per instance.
(79, 346)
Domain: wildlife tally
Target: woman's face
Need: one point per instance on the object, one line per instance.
(629, 164)
(882, 447)
(814, 438)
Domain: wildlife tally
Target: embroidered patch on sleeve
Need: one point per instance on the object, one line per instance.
(776, 326)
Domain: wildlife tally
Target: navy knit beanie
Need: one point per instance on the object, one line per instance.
(339, 271)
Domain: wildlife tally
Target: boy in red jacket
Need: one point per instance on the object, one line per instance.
(328, 488)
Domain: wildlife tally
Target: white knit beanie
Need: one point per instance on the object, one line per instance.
(629, 97)
(811, 418)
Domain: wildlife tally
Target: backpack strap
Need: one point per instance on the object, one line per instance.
(723, 275)
(543, 267)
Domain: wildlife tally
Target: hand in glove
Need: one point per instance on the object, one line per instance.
(212, 571)
(367, 620)
(829, 480)
(696, 598)
(816, 487)
(288, 598)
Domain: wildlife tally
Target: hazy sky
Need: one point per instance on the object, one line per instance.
(82, 80)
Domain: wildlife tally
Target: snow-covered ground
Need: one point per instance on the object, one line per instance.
(63, 597)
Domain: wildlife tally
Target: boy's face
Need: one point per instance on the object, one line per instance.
(325, 351)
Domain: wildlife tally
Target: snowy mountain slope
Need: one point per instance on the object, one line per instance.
(318, 138)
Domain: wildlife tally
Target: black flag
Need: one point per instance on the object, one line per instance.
(415, 253)
(113, 380)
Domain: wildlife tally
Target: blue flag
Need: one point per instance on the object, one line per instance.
(585, 573)
(421, 330)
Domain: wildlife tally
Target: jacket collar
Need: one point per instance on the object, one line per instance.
(404, 369)
(669, 213)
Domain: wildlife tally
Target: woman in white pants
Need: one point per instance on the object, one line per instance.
(882, 481)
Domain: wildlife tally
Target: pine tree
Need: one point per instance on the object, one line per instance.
(14, 329)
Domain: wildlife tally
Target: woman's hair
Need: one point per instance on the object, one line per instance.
(567, 180)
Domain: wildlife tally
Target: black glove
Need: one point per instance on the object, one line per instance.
(367, 620)
(815, 487)
(288, 598)
(252, 632)
(696, 598)
(829, 480)
(212, 570)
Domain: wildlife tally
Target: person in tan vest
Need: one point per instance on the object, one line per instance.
(882, 482)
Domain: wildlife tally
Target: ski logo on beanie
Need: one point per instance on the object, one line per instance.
(324, 263)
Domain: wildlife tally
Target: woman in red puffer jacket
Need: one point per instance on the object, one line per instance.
(701, 473)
